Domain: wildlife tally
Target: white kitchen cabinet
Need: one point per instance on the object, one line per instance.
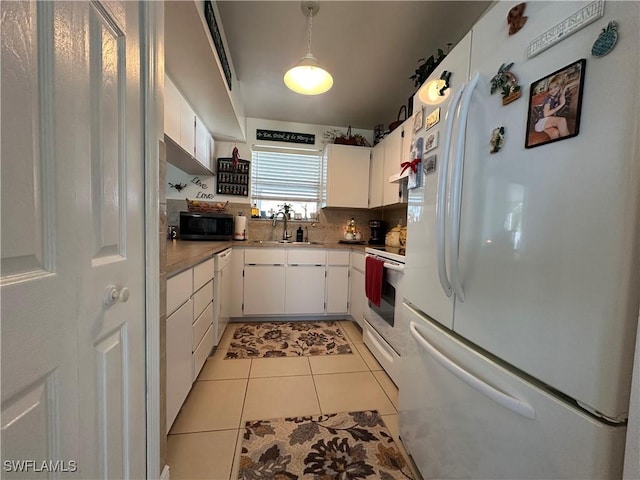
(392, 161)
(187, 127)
(345, 176)
(172, 110)
(190, 320)
(375, 177)
(305, 286)
(179, 358)
(237, 282)
(337, 281)
(202, 144)
(264, 289)
(357, 297)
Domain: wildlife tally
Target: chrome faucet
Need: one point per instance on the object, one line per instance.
(285, 235)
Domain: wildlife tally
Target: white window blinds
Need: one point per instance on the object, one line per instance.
(286, 176)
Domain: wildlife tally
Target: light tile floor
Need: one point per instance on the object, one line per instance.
(205, 439)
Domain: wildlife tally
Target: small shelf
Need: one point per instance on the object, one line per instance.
(233, 181)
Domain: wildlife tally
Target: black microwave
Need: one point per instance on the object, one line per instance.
(206, 226)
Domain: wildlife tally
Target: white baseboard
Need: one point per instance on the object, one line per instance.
(165, 473)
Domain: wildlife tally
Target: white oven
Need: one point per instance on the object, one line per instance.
(384, 330)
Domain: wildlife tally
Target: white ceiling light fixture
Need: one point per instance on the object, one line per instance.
(307, 76)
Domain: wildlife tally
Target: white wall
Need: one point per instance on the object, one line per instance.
(632, 449)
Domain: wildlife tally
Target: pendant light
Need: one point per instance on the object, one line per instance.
(307, 76)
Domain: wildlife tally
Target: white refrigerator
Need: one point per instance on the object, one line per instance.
(522, 274)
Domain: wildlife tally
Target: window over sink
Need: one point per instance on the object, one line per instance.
(283, 175)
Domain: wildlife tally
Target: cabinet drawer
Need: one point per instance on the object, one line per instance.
(178, 359)
(179, 288)
(307, 257)
(265, 256)
(202, 273)
(202, 352)
(338, 257)
(201, 298)
(357, 260)
(201, 325)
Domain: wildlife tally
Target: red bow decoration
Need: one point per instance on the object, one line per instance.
(413, 165)
(234, 155)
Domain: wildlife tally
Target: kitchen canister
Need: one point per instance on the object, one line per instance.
(240, 227)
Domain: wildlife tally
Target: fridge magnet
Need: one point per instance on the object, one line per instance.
(431, 141)
(430, 164)
(497, 140)
(606, 40)
(570, 25)
(415, 164)
(418, 119)
(554, 105)
(433, 118)
(507, 83)
(515, 18)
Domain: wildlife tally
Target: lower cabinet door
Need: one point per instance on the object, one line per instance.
(358, 299)
(179, 348)
(305, 289)
(337, 289)
(264, 287)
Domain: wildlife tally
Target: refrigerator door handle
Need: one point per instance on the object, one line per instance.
(441, 201)
(514, 404)
(456, 189)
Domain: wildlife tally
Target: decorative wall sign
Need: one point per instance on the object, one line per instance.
(515, 18)
(430, 164)
(217, 40)
(431, 141)
(289, 137)
(433, 118)
(507, 83)
(418, 119)
(606, 40)
(497, 140)
(554, 105)
(568, 26)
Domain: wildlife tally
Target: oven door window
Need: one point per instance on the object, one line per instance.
(387, 306)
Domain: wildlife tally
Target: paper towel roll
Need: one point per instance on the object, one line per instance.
(240, 227)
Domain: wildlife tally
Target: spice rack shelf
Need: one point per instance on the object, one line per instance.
(232, 180)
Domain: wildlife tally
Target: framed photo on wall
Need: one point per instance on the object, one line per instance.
(555, 102)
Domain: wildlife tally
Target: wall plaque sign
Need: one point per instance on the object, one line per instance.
(290, 137)
(217, 40)
(568, 26)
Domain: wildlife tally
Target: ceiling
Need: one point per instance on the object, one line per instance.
(371, 48)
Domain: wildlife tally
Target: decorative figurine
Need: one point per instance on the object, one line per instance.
(507, 83)
(606, 40)
(515, 19)
(178, 186)
(497, 140)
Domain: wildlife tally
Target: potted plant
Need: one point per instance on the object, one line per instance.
(425, 67)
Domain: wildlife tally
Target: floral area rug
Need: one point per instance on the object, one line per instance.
(344, 446)
(287, 339)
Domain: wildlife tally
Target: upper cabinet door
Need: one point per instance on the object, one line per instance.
(346, 176)
(375, 179)
(392, 161)
(202, 144)
(187, 128)
(172, 110)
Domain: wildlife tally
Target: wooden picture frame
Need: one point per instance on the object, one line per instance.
(550, 117)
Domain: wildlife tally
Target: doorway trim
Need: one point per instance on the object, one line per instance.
(152, 73)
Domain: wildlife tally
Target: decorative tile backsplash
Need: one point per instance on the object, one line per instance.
(329, 228)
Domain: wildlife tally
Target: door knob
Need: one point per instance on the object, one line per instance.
(113, 295)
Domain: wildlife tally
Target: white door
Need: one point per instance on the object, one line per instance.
(73, 371)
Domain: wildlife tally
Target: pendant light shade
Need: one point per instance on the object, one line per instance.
(307, 76)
